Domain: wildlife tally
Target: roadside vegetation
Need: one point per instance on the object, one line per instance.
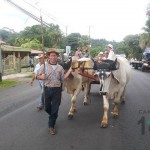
(8, 83)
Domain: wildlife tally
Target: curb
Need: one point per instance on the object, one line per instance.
(18, 75)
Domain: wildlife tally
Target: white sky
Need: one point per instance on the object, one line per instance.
(109, 19)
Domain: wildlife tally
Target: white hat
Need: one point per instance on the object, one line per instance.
(39, 56)
(101, 53)
(109, 45)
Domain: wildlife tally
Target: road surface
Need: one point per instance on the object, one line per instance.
(22, 127)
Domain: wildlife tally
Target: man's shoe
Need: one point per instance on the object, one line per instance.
(39, 107)
(52, 131)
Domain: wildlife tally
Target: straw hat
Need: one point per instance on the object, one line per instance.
(52, 50)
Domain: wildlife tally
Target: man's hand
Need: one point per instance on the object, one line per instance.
(31, 83)
(41, 77)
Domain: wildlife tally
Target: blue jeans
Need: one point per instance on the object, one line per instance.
(52, 103)
(41, 95)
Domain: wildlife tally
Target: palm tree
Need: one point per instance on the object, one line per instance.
(145, 37)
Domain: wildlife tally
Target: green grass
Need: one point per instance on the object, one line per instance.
(8, 83)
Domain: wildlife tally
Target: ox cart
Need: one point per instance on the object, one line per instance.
(87, 70)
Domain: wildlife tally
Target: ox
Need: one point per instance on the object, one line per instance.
(75, 82)
(113, 83)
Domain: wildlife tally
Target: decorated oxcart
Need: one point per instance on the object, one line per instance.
(87, 67)
(111, 75)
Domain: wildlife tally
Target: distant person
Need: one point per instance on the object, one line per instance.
(110, 51)
(78, 53)
(86, 54)
(100, 57)
(105, 55)
(31, 63)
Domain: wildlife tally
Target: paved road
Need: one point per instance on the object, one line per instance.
(23, 128)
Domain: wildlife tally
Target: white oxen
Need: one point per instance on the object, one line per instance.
(113, 84)
(75, 82)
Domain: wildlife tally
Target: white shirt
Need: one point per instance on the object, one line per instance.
(111, 55)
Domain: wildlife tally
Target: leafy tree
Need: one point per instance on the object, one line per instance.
(8, 36)
(99, 43)
(144, 40)
(84, 43)
(55, 36)
(147, 26)
(52, 34)
(73, 40)
(34, 44)
(132, 42)
(20, 41)
(31, 32)
(94, 52)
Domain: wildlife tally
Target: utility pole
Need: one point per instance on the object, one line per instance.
(89, 40)
(0, 63)
(89, 30)
(66, 31)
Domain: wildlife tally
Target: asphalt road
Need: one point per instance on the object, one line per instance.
(22, 127)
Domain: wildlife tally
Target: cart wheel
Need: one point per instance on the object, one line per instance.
(136, 66)
(143, 68)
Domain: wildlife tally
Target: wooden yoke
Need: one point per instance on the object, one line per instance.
(85, 73)
(83, 66)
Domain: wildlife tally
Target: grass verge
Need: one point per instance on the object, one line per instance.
(8, 83)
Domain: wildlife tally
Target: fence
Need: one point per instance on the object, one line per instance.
(12, 64)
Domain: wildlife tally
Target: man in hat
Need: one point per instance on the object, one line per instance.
(41, 60)
(53, 74)
(100, 57)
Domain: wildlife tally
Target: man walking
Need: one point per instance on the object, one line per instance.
(53, 74)
(41, 59)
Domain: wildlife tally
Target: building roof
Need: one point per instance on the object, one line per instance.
(14, 49)
(33, 51)
(2, 42)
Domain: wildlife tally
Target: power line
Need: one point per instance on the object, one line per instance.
(28, 13)
(44, 12)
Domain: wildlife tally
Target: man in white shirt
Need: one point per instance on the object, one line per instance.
(41, 59)
(111, 54)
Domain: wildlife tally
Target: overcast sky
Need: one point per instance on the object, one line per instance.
(109, 19)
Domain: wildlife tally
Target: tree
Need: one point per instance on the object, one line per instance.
(73, 40)
(34, 44)
(52, 35)
(20, 41)
(31, 33)
(132, 43)
(8, 36)
(55, 36)
(84, 43)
